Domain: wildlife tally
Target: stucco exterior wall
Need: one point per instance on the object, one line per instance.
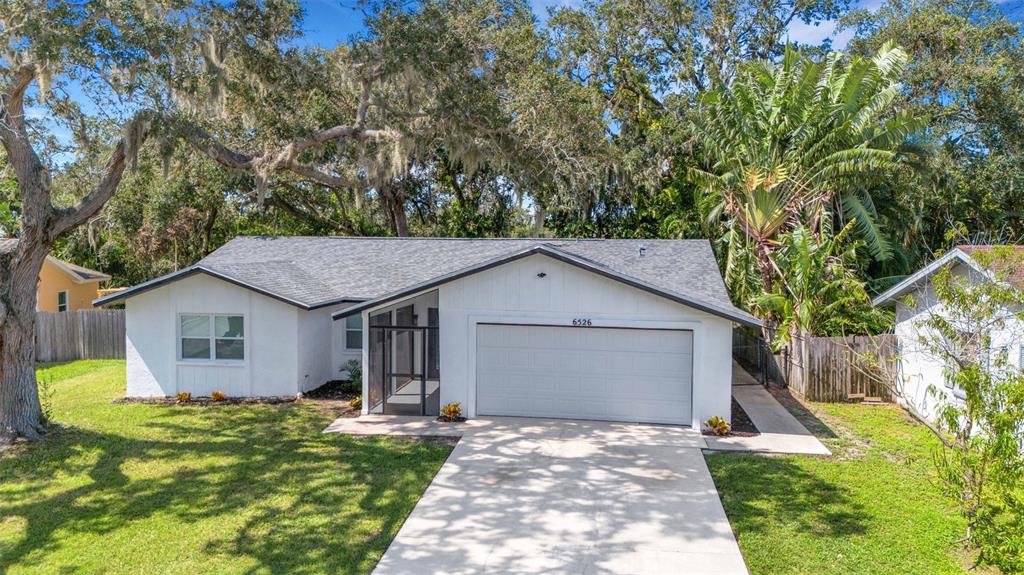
(321, 347)
(271, 364)
(53, 281)
(515, 293)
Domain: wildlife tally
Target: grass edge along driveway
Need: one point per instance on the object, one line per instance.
(129, 488)
(872, 508)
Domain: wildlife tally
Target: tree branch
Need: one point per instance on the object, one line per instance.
(12, 114)
(285, 157)
(87, 207)
(316, 175)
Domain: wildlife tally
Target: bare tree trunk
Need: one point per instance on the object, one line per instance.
(764, 265)
(393, 200)
(20, 411)
(394, 204)
(211, 221)
(401, 220)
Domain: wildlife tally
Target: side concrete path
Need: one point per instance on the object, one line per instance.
(780, 431)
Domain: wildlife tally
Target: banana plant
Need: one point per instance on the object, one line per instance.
(817, 293)
(798, 143)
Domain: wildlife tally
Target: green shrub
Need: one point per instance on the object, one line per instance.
(356, 402)
(354, 368)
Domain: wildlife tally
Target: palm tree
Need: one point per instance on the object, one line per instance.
(799, 142)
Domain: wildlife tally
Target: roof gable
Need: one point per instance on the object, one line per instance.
(960, 255)
(729, 312)
(77, 273)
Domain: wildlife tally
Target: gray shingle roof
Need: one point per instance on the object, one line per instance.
(314, 271)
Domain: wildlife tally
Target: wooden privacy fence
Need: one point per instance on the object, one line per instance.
(844, 368)
(829, 368)
(83, 334)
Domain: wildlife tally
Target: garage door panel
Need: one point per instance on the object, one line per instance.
(487, 339)
(661, 363)
(584, 373)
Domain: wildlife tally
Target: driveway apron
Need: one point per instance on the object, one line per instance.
(556, 496)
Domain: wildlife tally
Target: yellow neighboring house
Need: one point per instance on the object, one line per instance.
(63, 286)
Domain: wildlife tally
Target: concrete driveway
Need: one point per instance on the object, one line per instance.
(553, 496)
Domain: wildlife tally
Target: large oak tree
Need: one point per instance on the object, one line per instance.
(90, 88)
(85, 84)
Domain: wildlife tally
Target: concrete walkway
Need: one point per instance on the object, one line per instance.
(522, 495)
(780, 431)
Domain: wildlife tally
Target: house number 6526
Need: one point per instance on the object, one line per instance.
(582, 322)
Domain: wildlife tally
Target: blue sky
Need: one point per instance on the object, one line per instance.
(329, 21)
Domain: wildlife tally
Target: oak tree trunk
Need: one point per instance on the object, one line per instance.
(20, 410)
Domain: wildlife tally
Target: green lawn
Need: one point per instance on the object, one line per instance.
(149, 489)
(870, 509)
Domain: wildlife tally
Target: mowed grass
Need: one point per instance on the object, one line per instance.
(128, 488)
(873, 508)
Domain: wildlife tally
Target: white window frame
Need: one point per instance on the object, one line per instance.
(213, 359)
(63, 292)
(349, 329)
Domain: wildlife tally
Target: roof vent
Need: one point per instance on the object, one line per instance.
(643, 250)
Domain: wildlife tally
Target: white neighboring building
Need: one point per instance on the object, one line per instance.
(922, 384)
(624, 330)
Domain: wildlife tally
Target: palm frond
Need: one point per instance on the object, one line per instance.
(866, 221)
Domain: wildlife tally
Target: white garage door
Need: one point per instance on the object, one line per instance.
(585, 373)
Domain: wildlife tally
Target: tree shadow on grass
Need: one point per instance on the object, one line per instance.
(287, 497)
(816, 426)
(763, 493)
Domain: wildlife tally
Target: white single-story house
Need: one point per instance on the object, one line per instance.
(921, 383)
(623, 330)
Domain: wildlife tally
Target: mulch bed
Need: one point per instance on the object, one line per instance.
(741, 425)
(331, 397)
(335, 390)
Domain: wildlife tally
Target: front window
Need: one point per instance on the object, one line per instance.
(212, 337)
(354, 332)
(62, 301)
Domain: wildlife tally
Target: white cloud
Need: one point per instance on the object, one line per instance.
(810, 33)
(815, 34)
